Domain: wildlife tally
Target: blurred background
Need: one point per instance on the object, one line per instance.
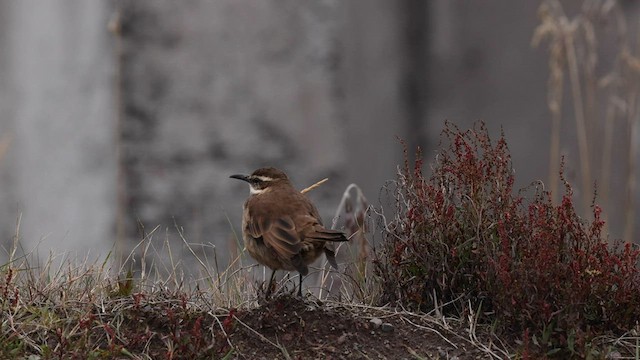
(124, 119)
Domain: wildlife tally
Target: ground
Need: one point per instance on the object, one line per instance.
(291, 328)
(73, 320)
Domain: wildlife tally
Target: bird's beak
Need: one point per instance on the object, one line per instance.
(240, 177)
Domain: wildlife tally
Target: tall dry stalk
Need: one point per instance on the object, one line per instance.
(574, 53)
(632, 67)
(550, 27)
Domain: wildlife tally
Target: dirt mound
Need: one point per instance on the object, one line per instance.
(289, 327)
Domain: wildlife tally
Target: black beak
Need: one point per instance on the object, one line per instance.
(240, 177)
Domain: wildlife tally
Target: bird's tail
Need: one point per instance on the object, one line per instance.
(328, 235)
(331, 257)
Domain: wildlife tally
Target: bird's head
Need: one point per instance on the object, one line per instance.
(263, 179)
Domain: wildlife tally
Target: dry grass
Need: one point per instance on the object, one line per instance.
(65, 308)
(80, 311)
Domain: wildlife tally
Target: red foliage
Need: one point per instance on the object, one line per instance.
(229, 321)
(464, 235)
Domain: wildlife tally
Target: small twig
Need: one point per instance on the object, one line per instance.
(262, 337)
(184, 240)
(430, 329)
(306, 190)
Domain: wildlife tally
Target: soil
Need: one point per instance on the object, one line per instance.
(292, 328)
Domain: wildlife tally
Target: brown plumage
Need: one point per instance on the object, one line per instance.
(281, 228)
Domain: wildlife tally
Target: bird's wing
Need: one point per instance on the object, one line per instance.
(279, 234)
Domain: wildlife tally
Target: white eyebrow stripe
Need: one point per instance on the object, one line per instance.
(264, 178)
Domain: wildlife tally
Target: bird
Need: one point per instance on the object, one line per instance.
(281, 227)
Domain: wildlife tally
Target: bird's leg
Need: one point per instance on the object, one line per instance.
(268, 293)
(300, 287)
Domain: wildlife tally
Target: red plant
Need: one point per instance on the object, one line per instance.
(229, 321)
(464, 235)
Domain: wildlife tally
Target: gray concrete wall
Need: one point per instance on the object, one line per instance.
(484, 68)
(60, 169)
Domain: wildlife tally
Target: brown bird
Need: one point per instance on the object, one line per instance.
(281, 228)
